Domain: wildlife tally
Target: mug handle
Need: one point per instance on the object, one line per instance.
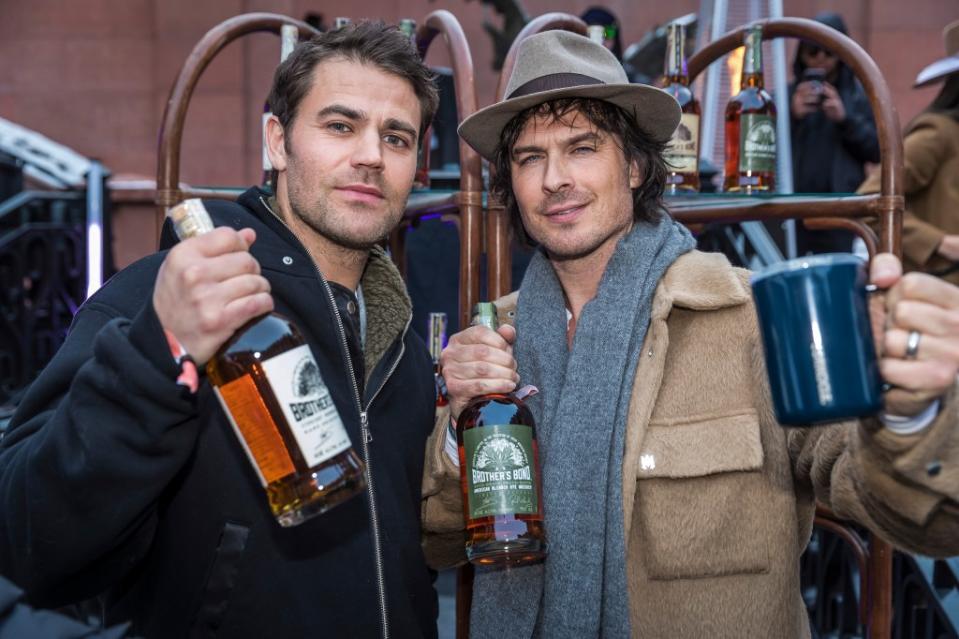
(870, 290)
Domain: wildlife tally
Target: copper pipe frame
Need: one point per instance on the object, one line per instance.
(856, 58)
(890, 205)
(825, 519)
(174, 114)
(863, 230)
(498, 258)
(470, 196)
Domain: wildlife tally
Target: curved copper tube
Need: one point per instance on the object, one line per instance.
(858, 227)
(498, 258)
(174, 114)
(824, 519)
(470, 197)
(853, 55)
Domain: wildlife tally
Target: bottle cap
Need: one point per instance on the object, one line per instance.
(437, 333)
(484, 314)
(190, 218)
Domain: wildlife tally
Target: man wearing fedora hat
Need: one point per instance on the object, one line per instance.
(930, 227)
(675, 505)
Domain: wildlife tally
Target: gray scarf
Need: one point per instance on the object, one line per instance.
(581, 410)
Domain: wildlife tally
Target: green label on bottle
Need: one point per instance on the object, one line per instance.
(757, 143)
(499, 471)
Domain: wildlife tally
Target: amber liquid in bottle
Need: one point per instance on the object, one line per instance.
(682, 154)
(271, 389)
(751, 127)
(500, 477)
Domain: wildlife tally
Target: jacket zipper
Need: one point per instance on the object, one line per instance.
(365, 433)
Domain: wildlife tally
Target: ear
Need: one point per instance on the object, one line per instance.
(635, 174)
(276, 143)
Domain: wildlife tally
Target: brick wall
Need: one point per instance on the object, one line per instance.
(94, 74)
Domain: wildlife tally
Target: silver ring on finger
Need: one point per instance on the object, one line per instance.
(912, 344)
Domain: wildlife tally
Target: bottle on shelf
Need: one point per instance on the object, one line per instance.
(682, 154)
(271, 389)
(751, 127)
(289, 34)
(499, 475)
(437, 333)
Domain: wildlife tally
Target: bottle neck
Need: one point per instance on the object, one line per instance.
(596, 33)
(437, 335)
(676, 71)
(484, 314)
(752, 75)
(289, 35)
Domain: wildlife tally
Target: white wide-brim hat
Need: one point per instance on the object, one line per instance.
(944, 66)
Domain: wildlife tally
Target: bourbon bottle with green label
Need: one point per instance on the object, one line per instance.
(499, 475)
(751, 127)
(273, 394)
(682, 154)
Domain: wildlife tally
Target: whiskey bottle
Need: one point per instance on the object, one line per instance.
(437, 333)
(682, 154)
(751, 127)
(271, 389)
(499, 475)
(289, 34)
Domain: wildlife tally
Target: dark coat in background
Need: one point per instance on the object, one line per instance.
(829, 157)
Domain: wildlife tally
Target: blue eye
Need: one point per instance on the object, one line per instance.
(339, 127)
(396, 140)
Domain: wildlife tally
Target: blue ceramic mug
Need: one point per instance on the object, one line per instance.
(820, 356)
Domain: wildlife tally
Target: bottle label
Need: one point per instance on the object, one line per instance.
(682, 154)
(254, 427)
(757, 143)
(500, 471)
(307, 404)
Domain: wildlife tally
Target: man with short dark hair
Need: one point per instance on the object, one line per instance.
(674, 504)
(114, 480)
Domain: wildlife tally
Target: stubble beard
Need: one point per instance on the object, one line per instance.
(559, 251)
(331, 223)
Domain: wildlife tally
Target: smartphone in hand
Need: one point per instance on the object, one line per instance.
(816, 77)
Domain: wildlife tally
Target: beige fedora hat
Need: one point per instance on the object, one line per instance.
(944, 66)
(562, 64)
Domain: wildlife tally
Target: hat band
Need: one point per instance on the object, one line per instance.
(551, 82)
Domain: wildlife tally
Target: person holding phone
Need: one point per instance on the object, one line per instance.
(833, 132)
(930, 171)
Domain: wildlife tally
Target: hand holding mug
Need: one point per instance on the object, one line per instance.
(918, 319)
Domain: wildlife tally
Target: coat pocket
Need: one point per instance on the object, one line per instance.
(700, 496)
(220, 580)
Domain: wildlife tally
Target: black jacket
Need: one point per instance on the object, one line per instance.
(828, 157)
(19, 621)
(114, 481)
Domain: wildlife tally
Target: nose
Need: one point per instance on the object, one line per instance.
(558, 176)
(368, 152)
